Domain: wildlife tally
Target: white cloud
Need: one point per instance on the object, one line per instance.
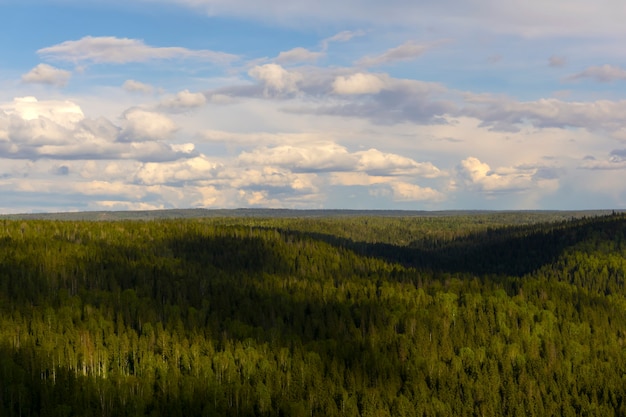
(253, 198)
(34, 129)
(184, 100)
(350, 178)
(383, 100)
(182, 171)
(360, 83)
(314, 157)
(378, 163)
(374, 96)
(47, 74)
(403, 191)
(65, 113)
(297, 55)
(264, 152)
(116, 188)
(479, 176)
(275, 79)
(183, 147)
(38, 132)
(109, 49)
(89, 188)
(405, 52)
(137, 87)
(143, 125)
(110, 170)
(201, 181)
(273, 180)
(154, 151)
(605, 74)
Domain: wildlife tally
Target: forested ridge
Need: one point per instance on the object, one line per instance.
(469, 315)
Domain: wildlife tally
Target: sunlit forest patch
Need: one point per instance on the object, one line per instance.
(476, 314)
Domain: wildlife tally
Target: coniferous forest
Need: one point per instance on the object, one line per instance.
(468, 315)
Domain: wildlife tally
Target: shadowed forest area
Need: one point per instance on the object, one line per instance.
(474, 314)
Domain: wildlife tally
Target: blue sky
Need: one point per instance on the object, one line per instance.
(456, 104)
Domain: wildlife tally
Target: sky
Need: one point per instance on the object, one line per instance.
(357, 104)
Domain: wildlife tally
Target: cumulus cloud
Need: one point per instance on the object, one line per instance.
(297, 55)
(34, 129)
(37, 132)
(403, 191)
(142, 197)
(275, 79)
(385, 100)
(28, 123)
(316, 157)
(359, 83)
(183, 100)
(479, 173)
(47, 74)
(152, 151)
(73, 190)
(143, 125)
(375, 162)
(479, 176)
(110, 188)
(201, 181)
(64, 113)
(374, 96)
(272, 181)
(267, 81)
(604, 74)
(177, 172)
(350, 178)
(109, 49)
(405, 52)
(137, 87)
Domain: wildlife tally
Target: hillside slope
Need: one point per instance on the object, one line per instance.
(399, 316)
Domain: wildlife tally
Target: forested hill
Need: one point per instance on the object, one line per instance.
(466, 315)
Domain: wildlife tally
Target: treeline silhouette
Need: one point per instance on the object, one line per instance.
(474, 315)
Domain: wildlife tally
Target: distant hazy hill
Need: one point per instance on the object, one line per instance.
(534, 215)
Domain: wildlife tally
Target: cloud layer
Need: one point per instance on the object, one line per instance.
(110, 49)
(400, 104)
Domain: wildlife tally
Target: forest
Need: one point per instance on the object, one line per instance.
(475, 314)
